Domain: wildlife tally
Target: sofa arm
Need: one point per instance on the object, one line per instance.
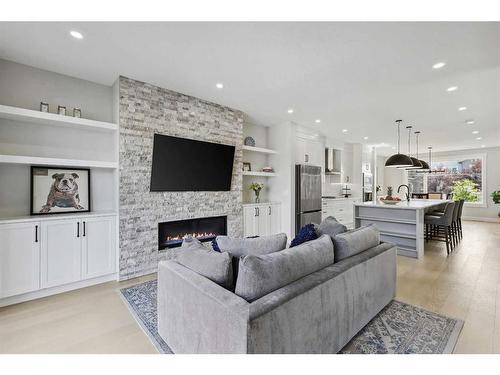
(195, 315)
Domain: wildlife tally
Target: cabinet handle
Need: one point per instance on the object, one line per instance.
(78, 229)
(306, 158)
(36, 233)
(269, 212)
(258, 211)
(84, 229)
(255, 208)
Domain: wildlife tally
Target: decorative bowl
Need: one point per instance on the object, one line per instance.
(389, 201)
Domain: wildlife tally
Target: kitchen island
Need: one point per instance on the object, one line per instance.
(402, 223)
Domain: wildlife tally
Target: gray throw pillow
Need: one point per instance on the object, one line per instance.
(262, 274)
(330, 226)
(355, 241)
(213, 265)
(239, 247)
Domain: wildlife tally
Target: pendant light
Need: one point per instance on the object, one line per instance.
(425, 166)
(415, 162)
(428, 170)
(398, 160)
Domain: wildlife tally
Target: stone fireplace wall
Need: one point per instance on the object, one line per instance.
(145, 109)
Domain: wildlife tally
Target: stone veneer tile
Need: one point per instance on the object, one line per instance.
(145, 110)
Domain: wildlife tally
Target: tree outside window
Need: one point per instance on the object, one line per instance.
(463, 177)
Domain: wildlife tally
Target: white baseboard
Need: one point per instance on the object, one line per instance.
(56, 290)
(479, 218)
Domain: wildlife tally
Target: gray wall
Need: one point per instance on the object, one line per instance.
(144, 110)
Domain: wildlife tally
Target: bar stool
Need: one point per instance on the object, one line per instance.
(435, 196)
(420, 196)
(456, 224)
(439, 227)
(459, 219)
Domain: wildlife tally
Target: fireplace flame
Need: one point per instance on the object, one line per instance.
(195, 235)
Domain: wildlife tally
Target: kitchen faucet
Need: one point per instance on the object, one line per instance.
(408, 191)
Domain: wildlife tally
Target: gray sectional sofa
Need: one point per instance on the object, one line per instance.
(296, 300)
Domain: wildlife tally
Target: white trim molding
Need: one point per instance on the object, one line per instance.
(479, 218)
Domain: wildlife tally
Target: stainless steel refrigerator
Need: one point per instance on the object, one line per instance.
(307, 195)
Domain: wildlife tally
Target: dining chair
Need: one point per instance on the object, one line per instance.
(435, 195)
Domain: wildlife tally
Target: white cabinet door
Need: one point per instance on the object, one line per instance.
(61, 252)
(250, 221)
(317, 153)
(301, 153)
(98, 246)
(19, 258)
(274, 212)
(263, 220)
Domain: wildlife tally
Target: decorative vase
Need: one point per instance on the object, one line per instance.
(257, 199)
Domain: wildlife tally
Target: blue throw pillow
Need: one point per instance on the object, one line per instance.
(306, 233)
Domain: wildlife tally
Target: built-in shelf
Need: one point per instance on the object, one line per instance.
(259, 149)
(30, 218)
(51, 119)
(259, 174)
(387, 220)
(35, 160)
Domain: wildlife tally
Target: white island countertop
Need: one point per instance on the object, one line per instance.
(415, 204)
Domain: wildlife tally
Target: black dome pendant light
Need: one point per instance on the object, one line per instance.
(398, 160)
(415, 162)
(425, 166)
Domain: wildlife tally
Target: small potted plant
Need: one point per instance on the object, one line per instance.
(496, 196)
(256, 187)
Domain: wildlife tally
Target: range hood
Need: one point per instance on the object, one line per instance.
(333, 159)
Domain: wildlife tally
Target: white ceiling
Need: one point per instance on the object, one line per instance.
(358, 76)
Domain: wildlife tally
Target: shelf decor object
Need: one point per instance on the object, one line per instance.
(247, 167)
(44, 107)
(61, 110)
(58, 190)
(256, 187)
(399, 160)
(249, 141)
(259, 174)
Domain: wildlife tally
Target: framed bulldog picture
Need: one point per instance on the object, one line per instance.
(58, 190)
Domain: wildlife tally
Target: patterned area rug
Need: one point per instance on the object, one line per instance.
(398, 329)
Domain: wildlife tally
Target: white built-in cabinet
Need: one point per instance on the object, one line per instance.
(19, 258)
(309, 151)
(37, 255)
(341, 209)
(261, 219)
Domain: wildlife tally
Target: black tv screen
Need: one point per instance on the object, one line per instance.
(181, 164)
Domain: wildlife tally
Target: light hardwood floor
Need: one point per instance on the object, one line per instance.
(465, 285)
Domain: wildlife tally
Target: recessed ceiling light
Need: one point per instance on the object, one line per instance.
(317, 121)
(469, 122)
(483, 146)
(393, 147)
(452, 88)
(316, 135)
(75, 34)
(290, 110)
(365, 138)
(438, 65)
(219, 85)
(475, 132)
(479, 138)
(462, 108)
(344, 130)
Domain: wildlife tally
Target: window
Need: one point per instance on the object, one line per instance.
(462, 176)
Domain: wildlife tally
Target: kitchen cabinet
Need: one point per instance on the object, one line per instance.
(19, 258)
(261, 219)
(341, 209)
(309, 151)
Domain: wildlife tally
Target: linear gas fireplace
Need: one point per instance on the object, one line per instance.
(171, 233)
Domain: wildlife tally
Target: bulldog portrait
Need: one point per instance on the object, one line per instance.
(63, 192)
(58, 190)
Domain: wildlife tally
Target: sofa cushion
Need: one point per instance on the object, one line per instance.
(213, 265)
(306, 233)
(355, 241)
(330, 226)
(238, 247)
(262, 274)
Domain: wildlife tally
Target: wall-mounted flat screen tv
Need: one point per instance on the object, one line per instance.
(181, 164)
